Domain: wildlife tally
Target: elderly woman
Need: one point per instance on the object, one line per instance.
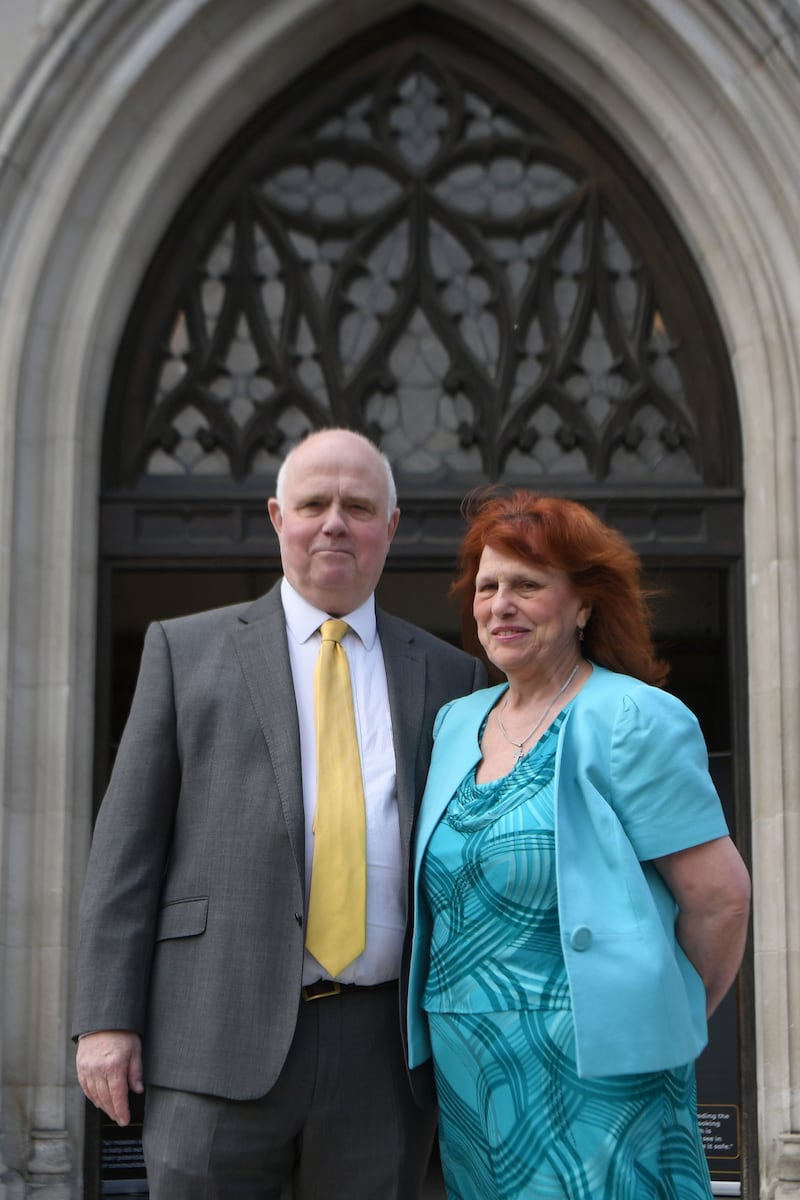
(580, 907)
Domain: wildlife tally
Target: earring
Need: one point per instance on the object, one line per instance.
(580, 633)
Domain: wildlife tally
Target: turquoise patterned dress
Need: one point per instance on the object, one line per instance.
(515, 1121)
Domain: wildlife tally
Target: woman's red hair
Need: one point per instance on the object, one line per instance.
(602, 567)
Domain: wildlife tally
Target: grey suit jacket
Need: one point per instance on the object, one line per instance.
(191, 924)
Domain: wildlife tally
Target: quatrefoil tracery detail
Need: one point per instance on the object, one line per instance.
(428, 265)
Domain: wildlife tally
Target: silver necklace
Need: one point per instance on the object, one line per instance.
(520, 753)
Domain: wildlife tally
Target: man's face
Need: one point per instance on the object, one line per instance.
(334, 527)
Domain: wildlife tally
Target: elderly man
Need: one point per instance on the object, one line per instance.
(243, 918)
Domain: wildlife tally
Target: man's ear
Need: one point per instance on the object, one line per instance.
(393, 521)
(275, 514)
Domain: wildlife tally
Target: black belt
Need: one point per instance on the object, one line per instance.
(331, 987)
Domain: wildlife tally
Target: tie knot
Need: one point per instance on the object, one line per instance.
(333, 630)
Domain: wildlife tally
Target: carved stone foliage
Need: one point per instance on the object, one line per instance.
(416, 248)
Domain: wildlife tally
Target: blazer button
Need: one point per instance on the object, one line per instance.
(581, 938)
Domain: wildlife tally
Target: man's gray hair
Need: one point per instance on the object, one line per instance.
(391, 486)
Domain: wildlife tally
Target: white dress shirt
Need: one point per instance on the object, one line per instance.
(380, 959)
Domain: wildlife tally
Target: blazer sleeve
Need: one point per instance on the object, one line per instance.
(130, 846)
(661, 788)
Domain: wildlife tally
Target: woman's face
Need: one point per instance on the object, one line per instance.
(526, 614)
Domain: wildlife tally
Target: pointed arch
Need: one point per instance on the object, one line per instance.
(703, 99)
(426, 239)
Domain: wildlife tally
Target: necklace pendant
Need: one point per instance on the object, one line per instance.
(519, 754)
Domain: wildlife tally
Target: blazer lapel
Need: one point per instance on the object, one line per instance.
(456, 751)
(263, 654)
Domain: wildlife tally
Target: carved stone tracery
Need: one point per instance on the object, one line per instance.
(422, 259)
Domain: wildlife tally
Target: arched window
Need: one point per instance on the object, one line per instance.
(425, 239)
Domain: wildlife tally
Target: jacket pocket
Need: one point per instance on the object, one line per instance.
(182, 918)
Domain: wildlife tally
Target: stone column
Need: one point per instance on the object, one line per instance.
(785, 1182)
(50, 1165)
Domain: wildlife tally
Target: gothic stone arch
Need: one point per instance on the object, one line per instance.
(704, 97)
(428, 240)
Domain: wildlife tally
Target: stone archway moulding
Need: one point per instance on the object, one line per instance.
(119, 113)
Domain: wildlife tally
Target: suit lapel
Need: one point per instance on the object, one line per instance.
(406, 668)
(263, 654)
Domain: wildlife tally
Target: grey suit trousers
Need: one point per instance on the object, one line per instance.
(340, 1122)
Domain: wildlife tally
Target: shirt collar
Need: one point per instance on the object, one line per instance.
(303, 619)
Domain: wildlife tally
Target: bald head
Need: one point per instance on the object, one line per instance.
(329, 438)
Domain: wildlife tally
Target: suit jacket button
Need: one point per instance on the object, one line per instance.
(581, 938)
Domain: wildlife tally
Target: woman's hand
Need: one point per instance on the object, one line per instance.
(711, 887)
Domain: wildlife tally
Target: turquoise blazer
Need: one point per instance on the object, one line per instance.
(631, 784)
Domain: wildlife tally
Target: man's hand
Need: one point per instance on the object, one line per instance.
(109, 1064)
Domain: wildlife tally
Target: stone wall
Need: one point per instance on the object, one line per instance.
(108, 113)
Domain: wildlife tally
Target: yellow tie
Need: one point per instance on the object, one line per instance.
(336, 928)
